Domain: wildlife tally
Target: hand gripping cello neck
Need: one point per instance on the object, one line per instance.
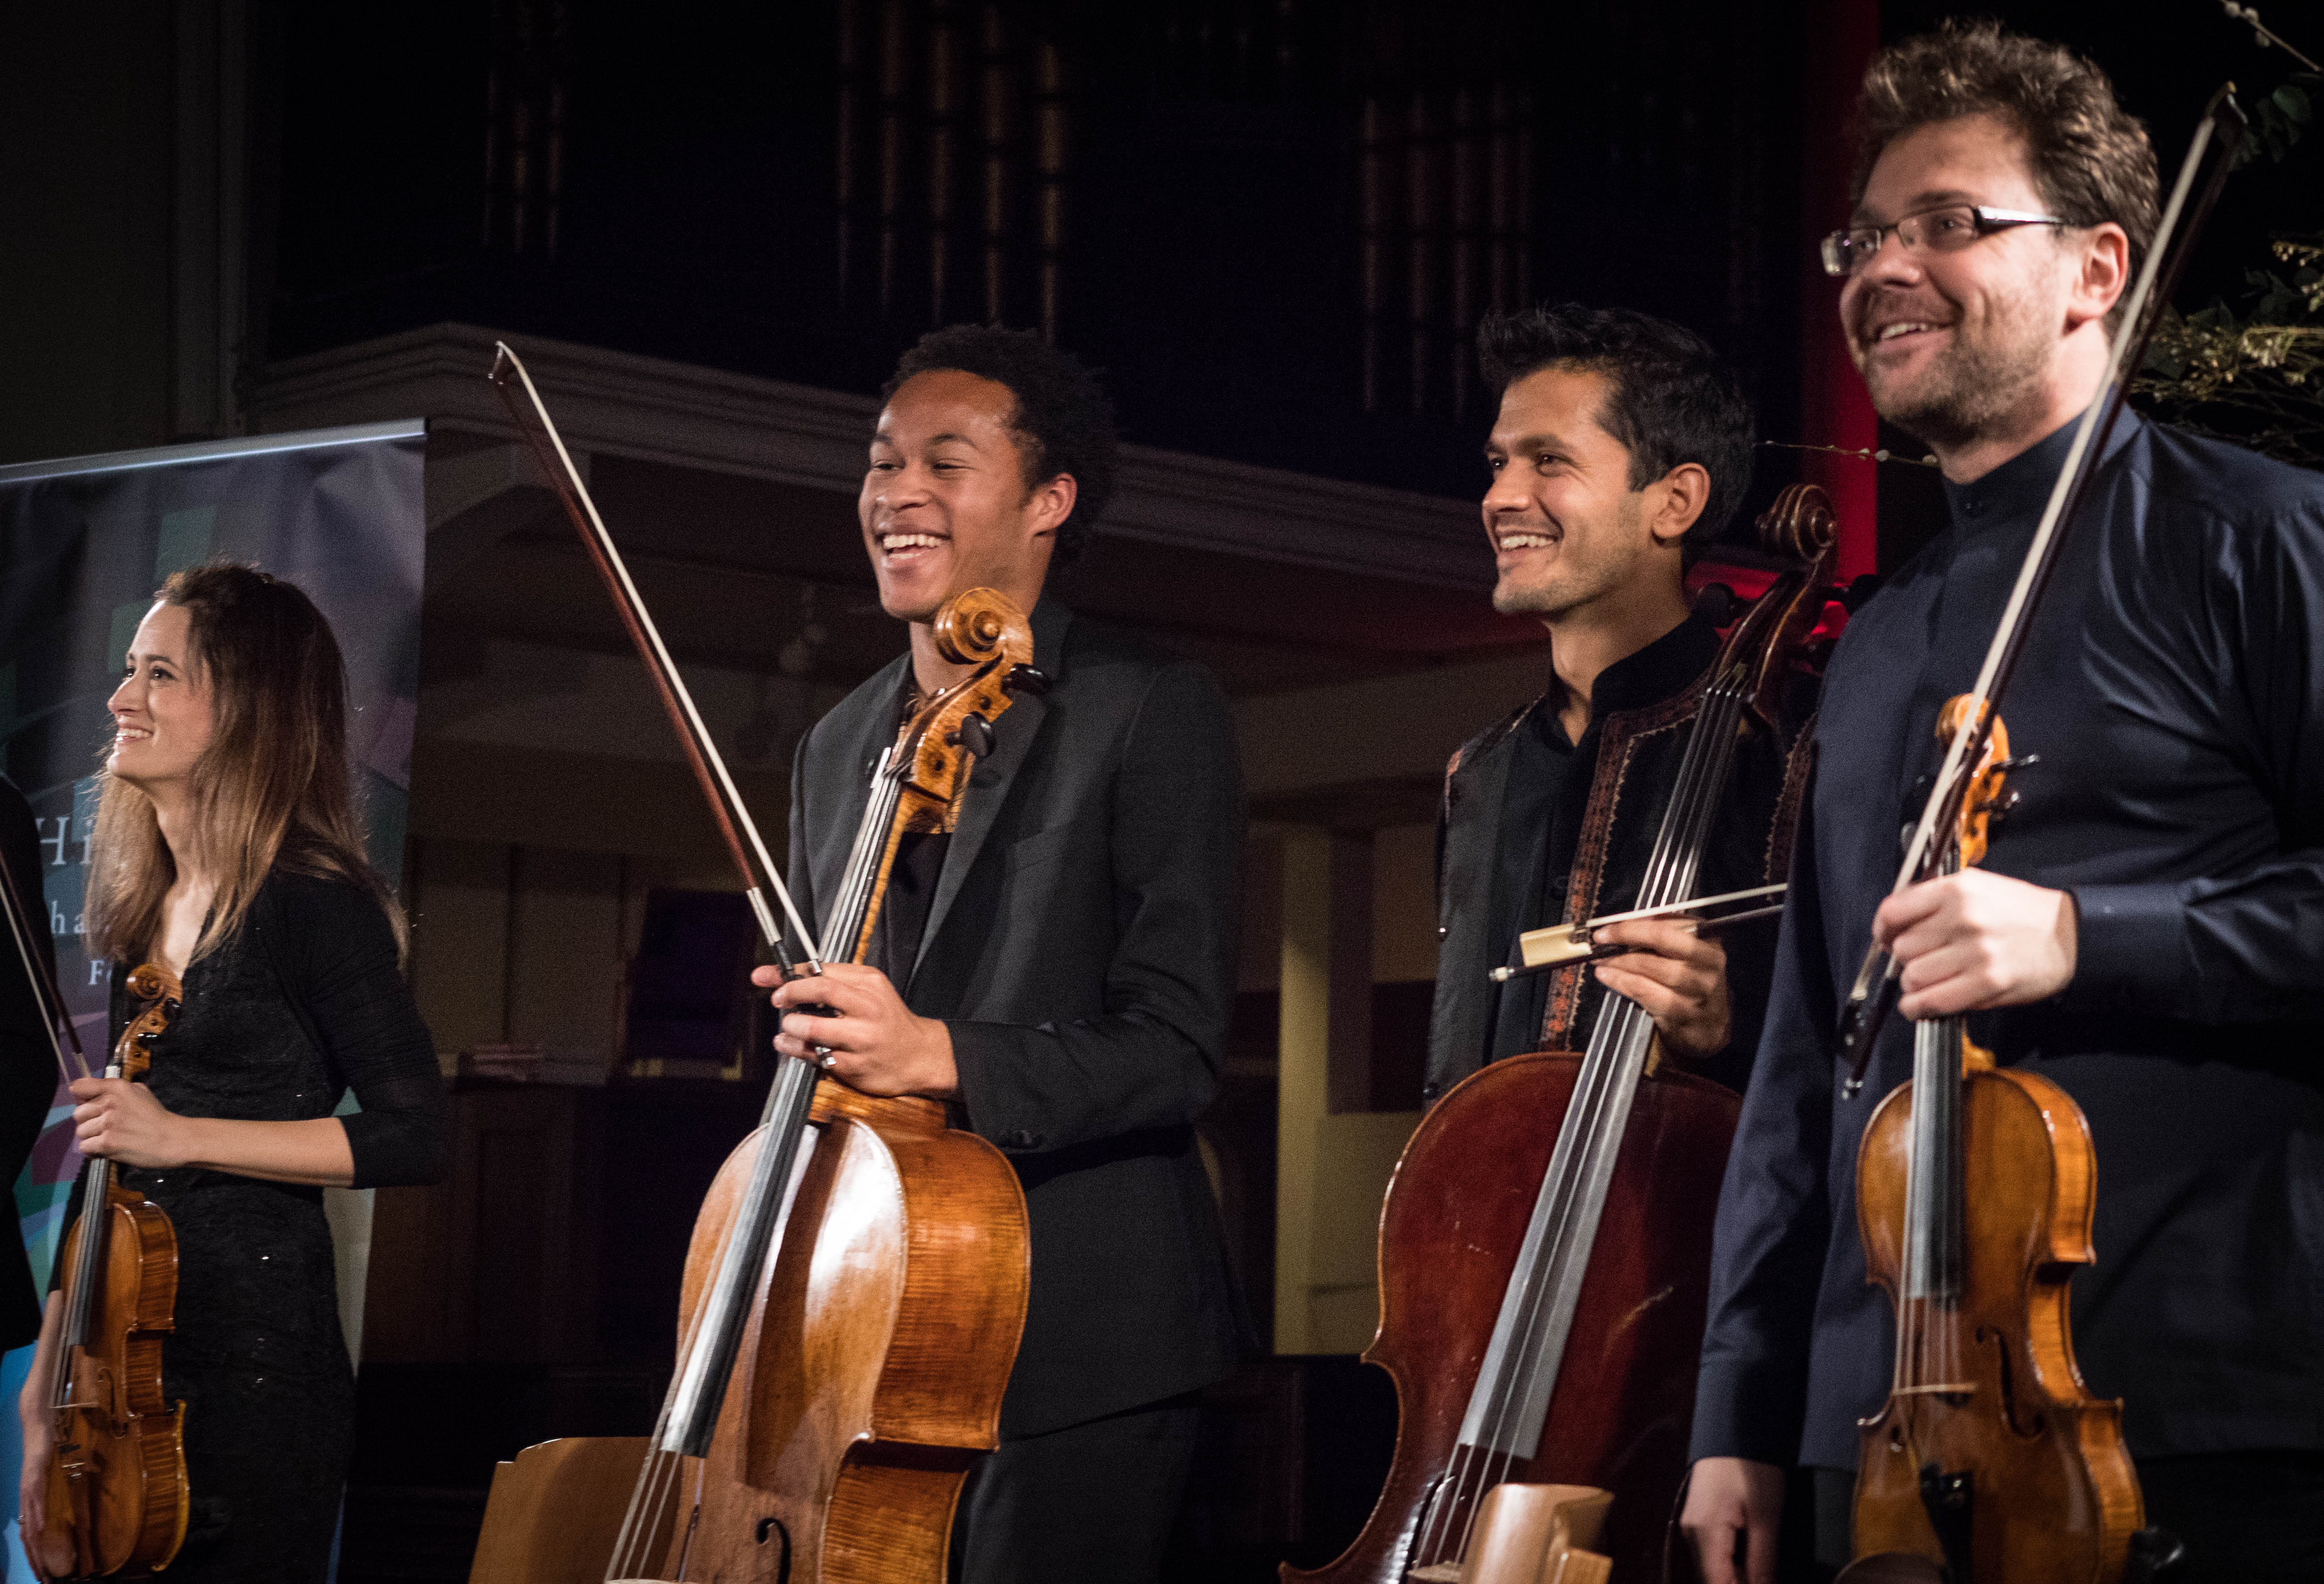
(855, 1285)
(1545, 1247)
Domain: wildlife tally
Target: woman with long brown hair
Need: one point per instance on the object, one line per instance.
(227, 849)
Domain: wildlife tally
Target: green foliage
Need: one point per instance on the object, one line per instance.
(2278, 120)
(2256, 379)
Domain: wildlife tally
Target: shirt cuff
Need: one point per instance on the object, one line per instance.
(1743, 1411)
(2132, 944)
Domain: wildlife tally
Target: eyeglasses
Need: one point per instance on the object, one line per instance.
(1948, 229)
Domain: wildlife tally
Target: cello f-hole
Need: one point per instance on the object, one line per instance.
(774, 1528)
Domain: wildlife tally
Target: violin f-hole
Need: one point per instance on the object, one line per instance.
(1988, 1337)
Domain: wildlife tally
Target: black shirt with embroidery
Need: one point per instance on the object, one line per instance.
(1542, 811)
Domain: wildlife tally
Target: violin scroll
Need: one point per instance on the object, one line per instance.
(159, 990)
(1983, 799)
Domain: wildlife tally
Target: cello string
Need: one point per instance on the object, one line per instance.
(1671, 868)
(649, 1496)
(1588, 1109)
(1667, 871)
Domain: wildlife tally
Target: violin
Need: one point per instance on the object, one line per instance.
(1544, 1247)
(856, 1281)
(116, 1480)
(1990, 1460)
(1975, 1193)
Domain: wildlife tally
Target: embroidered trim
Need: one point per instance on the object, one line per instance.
(1623, 731)
(1799, 767)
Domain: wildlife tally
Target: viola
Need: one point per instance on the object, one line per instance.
(1976, 1185)
(856, 1281)
(1544, 1248)
(116, 1481)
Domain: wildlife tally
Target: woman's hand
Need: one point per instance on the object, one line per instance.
(123, 1121)
(50, 1555)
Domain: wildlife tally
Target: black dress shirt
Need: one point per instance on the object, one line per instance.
(1541, 822)
(2173, 687)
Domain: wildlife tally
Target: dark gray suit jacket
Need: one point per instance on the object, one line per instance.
(1081, 945)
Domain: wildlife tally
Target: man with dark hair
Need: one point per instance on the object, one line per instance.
(1060, 966)
(1622, 443)
(2145, 930)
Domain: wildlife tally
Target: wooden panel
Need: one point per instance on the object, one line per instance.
(564, 950)
(459, 936)
(498, 1262)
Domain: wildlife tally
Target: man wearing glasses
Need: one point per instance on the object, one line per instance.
(2147, 930)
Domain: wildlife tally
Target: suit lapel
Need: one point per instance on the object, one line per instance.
(989, 783)
(846, 786)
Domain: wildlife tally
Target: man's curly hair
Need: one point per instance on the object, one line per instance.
(1671, 399)
(1063, 424)
(2090, 161)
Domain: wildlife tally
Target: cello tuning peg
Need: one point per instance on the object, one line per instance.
(975, 734)
(1026, 679)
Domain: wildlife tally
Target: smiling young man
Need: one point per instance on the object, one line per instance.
(1622, 443)
(1059, 967)
(2147, 929)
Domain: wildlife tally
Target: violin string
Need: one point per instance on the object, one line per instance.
(1669, 868)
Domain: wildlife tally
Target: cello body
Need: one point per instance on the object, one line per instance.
(1450, 1233)
(2051, 1493)
(871, 1372)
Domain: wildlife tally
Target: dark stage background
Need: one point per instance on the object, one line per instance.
(1274, 223)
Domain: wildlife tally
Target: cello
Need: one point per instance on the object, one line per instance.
(1985, 1398)
(856, 1279)
(115, 1485)
(1544, 1247)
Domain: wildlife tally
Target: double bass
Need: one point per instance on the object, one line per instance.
(115, 1486)
(856, 1280)
(1544, 1248)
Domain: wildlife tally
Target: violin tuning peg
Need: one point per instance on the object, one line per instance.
(1026, 679)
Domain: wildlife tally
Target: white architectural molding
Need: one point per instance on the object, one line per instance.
(621, 404)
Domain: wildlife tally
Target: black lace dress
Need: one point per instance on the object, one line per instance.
(304, 1002)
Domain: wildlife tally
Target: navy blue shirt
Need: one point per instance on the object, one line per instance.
(2174, 686)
